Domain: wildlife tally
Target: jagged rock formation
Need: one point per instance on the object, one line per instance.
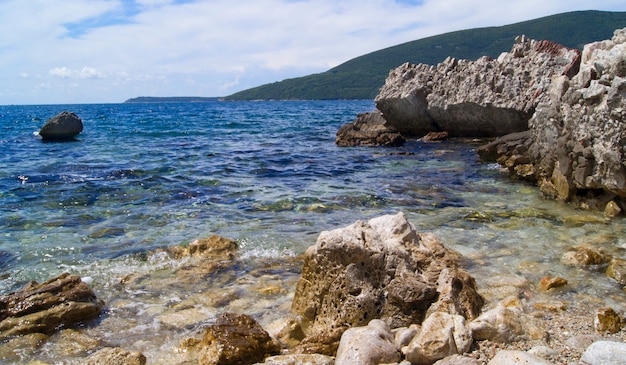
(369, 129)
(380, 269)
(474, 98)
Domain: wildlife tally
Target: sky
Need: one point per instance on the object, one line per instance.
(107, 51)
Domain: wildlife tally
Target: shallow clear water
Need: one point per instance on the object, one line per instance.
(267, 174)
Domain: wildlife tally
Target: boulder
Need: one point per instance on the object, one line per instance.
(44, 308)
(236, 339)
(442, 335)
(515, 357)
(300, 359)
(617, 270)
(506, 323)
(380, 269)
(604, 353)
(457, 360)
(114, 355)
(607, 320)
(370, 345)
(369, 129)
(478, 98)
(61, 127)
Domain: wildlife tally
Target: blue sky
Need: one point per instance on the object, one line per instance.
(106, 51)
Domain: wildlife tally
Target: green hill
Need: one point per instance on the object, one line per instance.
(362, 77)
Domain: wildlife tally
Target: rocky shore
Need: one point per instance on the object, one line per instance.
(560, 114)
(375, 292)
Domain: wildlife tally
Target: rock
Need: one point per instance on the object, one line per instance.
(578, 131)
(612, 209)
(510, 151)
(617, 270)
(514, 357)
(604, 353)
(543, 352)
(585, 255)
(370, 345)
(236, 339)
(548, 282)
(607, 320)
(115, 355)
(457, 360)
(12, 350)
(474, 98)
(382, 269)
(442, 335)
(369, 129)
(404, 335)
(46, 307)
(63, 126)
(300, 359)
(505, 323)
(436, 136)
(287, 331)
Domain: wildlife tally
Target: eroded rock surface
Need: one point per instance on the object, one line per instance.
(43, 308)
(380, 269)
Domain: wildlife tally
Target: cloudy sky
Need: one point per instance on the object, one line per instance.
(106, 51)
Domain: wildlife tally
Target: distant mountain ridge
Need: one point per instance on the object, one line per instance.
(171, 99)
(362, 77)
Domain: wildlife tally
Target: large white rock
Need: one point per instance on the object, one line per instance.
(442, 335)
(605, 353)
(505, 323)
(370, 345)
(512, 357)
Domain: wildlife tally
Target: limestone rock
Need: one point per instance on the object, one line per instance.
(370, 345)
(514, 357)
(604, 353)
(300, 359)
(236, 339)
(380, 269)
(115, 355)
(485, 97)
(45, 307)
(584, 255)
(369, 129)
(505, 323)
(548, 282)
(442, 335)
(63, 126)
(617, 270)
(457, 360)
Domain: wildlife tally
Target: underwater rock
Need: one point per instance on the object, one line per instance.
(46, 307)
(62, 127)
(607, 320)
(115, 355)
(617, 270)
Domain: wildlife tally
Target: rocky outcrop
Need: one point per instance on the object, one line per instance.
(61, 127)
(43, 308)
(369, 129)
(579, 133)
(380, 269)
(474, 98)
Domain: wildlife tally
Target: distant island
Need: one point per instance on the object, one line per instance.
(172, 99)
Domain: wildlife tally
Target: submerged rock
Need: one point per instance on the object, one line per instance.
(44, 308)
(63, 126)
(115, 355)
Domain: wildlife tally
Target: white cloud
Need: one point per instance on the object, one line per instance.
(156, 46)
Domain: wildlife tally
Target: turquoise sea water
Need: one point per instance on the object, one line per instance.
(267, 174)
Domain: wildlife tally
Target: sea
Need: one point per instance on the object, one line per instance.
(146, 176)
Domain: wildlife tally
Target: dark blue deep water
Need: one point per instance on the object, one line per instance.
(269, 175)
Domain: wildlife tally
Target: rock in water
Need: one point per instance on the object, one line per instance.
(62, 127)
(236, 339)
(43, 308)
(369, 129)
